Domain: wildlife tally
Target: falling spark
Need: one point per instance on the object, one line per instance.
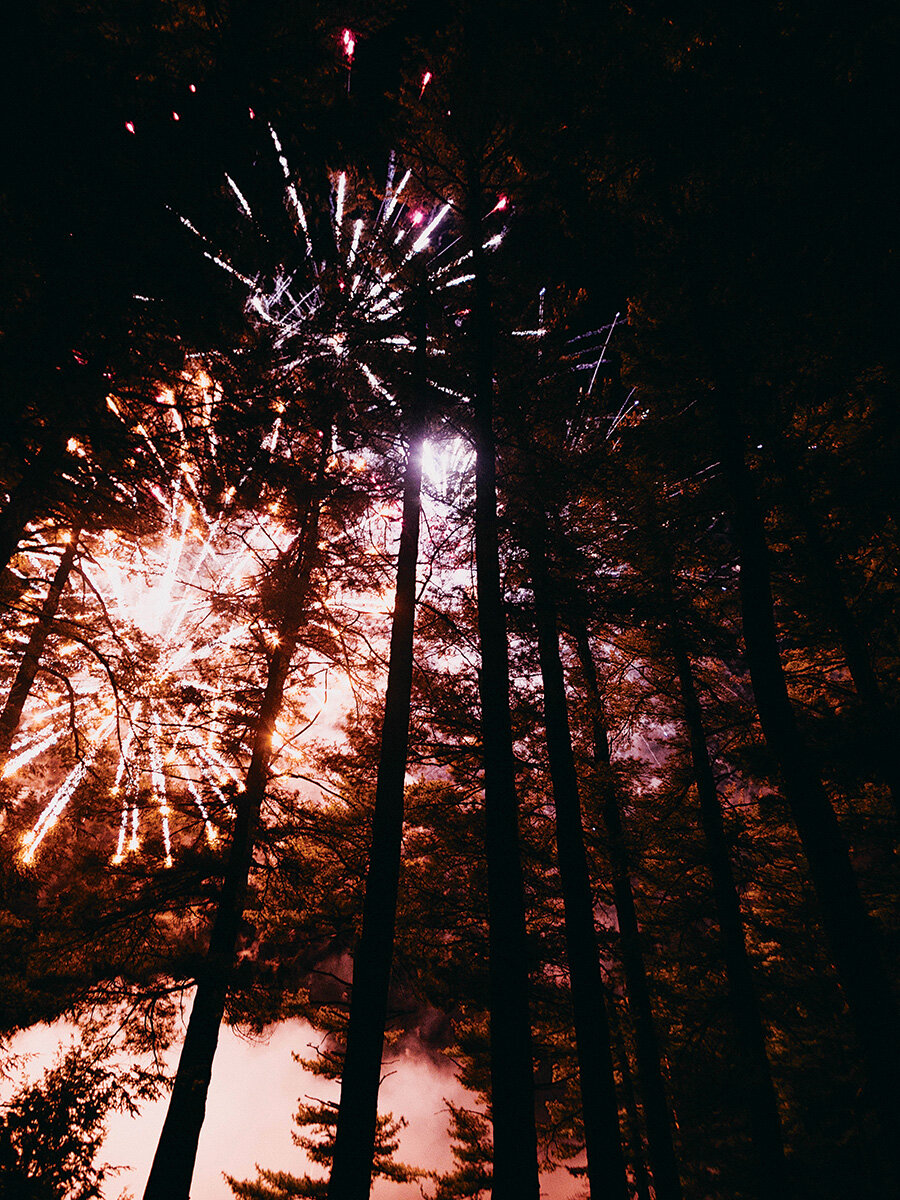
(54, 810)
(339, 206)
(245, 207)
(291, 188)
(31, 752)
(158, 781)
(423, 239)
(396, 195)
(121, 772)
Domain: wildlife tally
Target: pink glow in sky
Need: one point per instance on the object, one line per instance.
(254, 1093)
(249, 1118)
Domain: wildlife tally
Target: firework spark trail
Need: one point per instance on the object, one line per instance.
(54, 810)
(602, 357)
(214, 774)
(244, 206)
(46, 714)
(423, 239)
(211, 835)
(158, 783)
(226, 772)
(121, 772)
(354, 245)
(30, 752)
(339, 204)
(395, 196)
(291, 189)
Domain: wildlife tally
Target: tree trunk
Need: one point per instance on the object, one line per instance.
(176, 1152)
(605, 1161)
(354, 1146)
(515, 1174)
(761, 1100)
(31, 659)
(632, 1116)
(851, 934)
(660, 1146)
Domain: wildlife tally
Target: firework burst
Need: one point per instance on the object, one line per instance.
(162, 738)
(154, 710)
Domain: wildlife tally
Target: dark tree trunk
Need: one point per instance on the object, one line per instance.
(31, 659)
(354, 1146)
(848, 926)
(515, 1174)
(176, 1152)
(660, 1146)
(605, 1161)
(756, 1077)
(632, 1116)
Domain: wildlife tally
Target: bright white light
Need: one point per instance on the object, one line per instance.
(444, 462)
(339, 203)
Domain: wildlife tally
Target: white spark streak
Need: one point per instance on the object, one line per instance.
(396, 196)
(422, 241)
(117, 787)
(158, 781)
(339, 203)
(240, 196)
(32, 751)
(375, 382)
(64, 793)
(291, 189)
(198, 800)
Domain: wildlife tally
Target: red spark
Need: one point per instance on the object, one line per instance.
(349, 44)
(418, 218)
(193, 87)
(252, 114)
(129, 126)
(426, 79)
(500, 205)
(175, 116)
